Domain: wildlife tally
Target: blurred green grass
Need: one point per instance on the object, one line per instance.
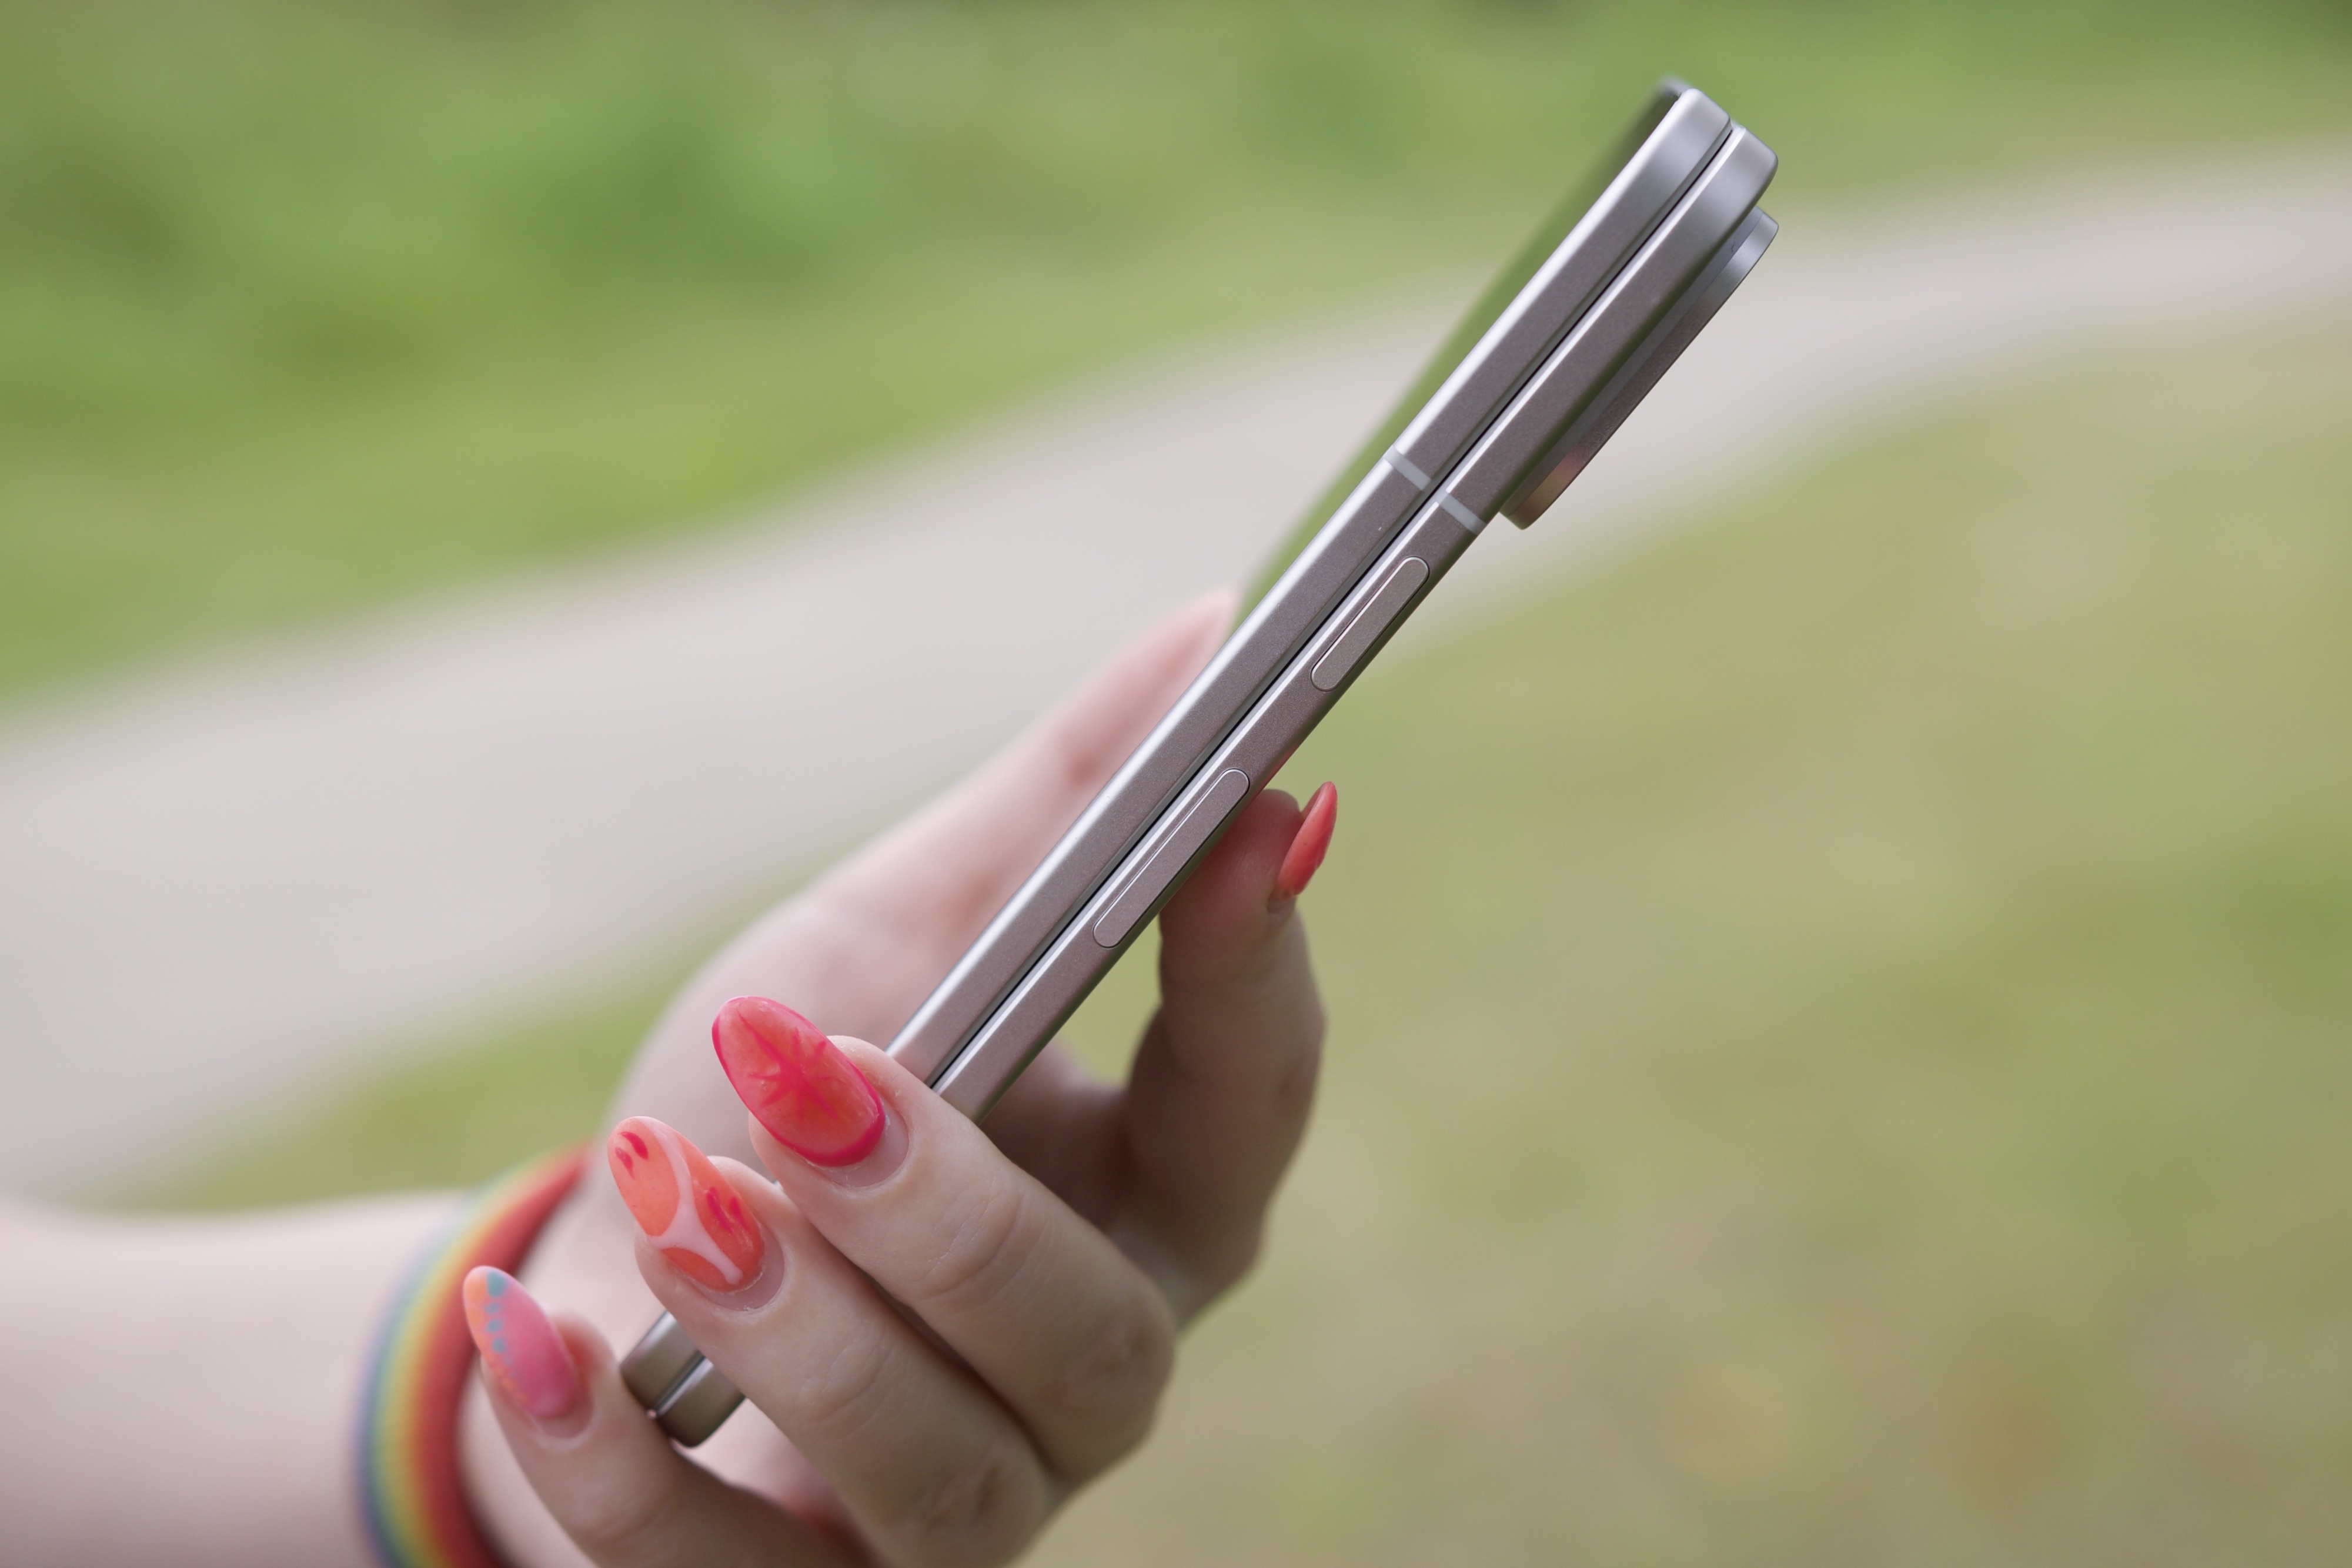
(304, 303)
(1839, 1025)
(1839, 1036)
(1839, 1015)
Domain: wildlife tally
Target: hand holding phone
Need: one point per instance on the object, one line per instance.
(1551, 359)
(955, 1305)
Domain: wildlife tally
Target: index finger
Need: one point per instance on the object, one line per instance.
(936, 878)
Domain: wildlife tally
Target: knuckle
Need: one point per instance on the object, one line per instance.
(983, 1509)
(1112, 1383)
(988, 1245)
(1125, 1360)
(621, 1524)
(851, 1388)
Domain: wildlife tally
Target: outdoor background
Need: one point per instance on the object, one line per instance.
(1842, 1013)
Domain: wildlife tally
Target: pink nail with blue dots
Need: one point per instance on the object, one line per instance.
(520, 1349)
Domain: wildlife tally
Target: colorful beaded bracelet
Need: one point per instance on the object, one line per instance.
(409, 1488)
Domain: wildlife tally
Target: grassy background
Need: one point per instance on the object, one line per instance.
(1863, 1078)
(1838, 1048)
(304, 303)
(1839, 1016)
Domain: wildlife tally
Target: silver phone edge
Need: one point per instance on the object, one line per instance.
(1615, 350)
(1679, 150)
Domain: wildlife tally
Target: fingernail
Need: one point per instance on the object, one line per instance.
(687, 1211)
(525, 1355)
(810, 1097)
(1309, 846)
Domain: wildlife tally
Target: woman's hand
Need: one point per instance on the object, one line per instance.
(944, 1328)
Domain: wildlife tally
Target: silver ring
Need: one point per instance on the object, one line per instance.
(690, 1397)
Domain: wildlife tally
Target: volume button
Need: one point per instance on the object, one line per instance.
(1181, 843)
(1404, 581)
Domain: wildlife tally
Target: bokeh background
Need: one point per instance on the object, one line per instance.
(1842, 1040)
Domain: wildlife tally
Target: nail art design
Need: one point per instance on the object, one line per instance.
(686, 1209)
(810, 1097)
(524, 1354)
(1310, 844)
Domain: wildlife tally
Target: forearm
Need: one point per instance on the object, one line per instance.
(187, 1390)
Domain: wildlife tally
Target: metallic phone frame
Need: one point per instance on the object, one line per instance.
(1697, 255)
(1690, 131)
(1644, 267)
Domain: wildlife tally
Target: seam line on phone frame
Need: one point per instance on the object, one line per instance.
(1407, 467)
(1460, 513)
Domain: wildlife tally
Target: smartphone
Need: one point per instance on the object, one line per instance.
(1547, 365)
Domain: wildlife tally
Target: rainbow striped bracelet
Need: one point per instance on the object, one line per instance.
(409, 1489)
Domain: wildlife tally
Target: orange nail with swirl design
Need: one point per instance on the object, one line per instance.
(686, 1209)
(809, 1097)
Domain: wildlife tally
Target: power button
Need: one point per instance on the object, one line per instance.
(1176, 849)
(1403, 580)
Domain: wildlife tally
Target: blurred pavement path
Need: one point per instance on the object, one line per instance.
(224, 886)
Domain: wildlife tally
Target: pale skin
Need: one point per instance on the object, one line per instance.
(944, 1341)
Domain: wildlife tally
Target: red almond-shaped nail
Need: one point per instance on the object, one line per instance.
(686, 1209)
(810, 1097)
(1307, 848)
(523, 1353)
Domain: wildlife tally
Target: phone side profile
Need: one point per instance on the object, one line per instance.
(1579, 395)
(1549, 287)
(1548, 364)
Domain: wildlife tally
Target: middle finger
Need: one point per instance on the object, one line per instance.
(930, 1466)
(1060, 1323)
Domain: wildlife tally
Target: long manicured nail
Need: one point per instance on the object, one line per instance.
(686, 1209)
(525, 1356)
(1312, 841)
(810, 1097)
